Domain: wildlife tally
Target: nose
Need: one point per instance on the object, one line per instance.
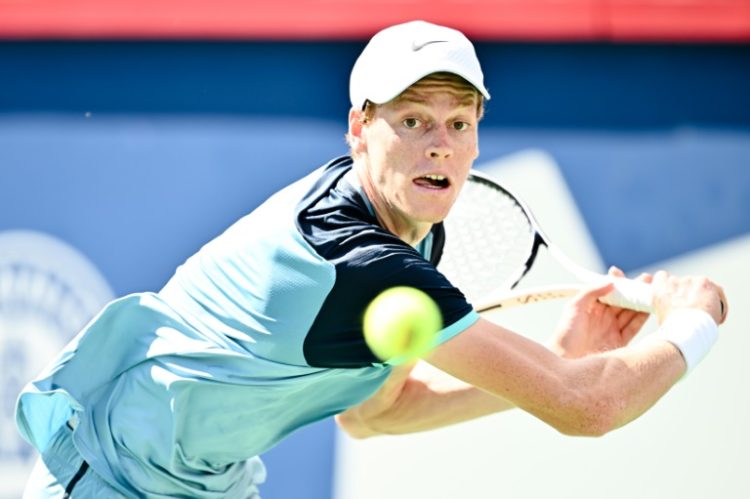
(440, 145)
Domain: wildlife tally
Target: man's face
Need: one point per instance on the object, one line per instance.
(417, 151)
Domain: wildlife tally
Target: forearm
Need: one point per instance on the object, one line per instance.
(614, 388)
(638, 376)
(427, 400)
(588, 396)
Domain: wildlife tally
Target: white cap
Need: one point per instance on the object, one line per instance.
(401, 55)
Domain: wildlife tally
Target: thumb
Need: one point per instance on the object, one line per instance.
(596, 291)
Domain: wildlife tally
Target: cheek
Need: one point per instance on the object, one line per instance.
(381, 142)
(470, 150)
(395, 155)
(474, 143)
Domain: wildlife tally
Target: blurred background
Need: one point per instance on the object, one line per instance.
(132, 132)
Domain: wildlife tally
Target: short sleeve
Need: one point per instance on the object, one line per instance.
(378, 263)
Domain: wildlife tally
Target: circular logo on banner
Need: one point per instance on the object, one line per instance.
(48, 291)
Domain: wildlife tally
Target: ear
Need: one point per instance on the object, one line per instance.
(356, 129)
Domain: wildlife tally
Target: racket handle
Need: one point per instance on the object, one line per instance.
(635, 295)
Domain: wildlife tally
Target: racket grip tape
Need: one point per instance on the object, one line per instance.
(634, 295)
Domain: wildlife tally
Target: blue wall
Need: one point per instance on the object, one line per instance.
(534, 85)
(138, 153)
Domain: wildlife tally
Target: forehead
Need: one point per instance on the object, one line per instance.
(441, 83)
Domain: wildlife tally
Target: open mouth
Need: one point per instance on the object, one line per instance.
(432, 181)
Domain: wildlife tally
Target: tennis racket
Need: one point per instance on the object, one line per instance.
(491, 242)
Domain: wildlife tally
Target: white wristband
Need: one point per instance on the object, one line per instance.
(692, 331)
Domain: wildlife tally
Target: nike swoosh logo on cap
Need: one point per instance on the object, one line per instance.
(417, 46)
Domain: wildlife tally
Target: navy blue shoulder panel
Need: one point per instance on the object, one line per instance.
(335, 221)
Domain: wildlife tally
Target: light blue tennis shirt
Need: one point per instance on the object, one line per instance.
(258, 334)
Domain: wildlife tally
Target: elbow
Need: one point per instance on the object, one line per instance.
(354, 426)
(589, 415)
(595, 427)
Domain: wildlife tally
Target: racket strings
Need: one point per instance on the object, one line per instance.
(488, 240)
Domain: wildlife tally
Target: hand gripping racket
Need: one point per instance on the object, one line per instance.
(491, 243)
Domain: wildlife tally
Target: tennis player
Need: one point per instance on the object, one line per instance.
(177, 393)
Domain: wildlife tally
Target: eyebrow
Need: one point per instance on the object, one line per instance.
(409, 96)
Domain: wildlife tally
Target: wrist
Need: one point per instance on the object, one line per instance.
(692, 331)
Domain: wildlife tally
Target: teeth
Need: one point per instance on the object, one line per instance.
(438, 178)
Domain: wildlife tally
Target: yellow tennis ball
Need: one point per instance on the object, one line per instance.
(403, 323)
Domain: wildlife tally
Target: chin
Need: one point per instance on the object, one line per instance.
(434, 218)
(431, 212)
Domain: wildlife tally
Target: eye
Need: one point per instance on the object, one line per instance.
(412, 123)
(460, 125)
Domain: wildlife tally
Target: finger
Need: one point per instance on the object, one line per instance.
(616, 272)
(645, 277)
(723, 304)
(660, 277)
(624, 317)
(659, 282)
(632, 327)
